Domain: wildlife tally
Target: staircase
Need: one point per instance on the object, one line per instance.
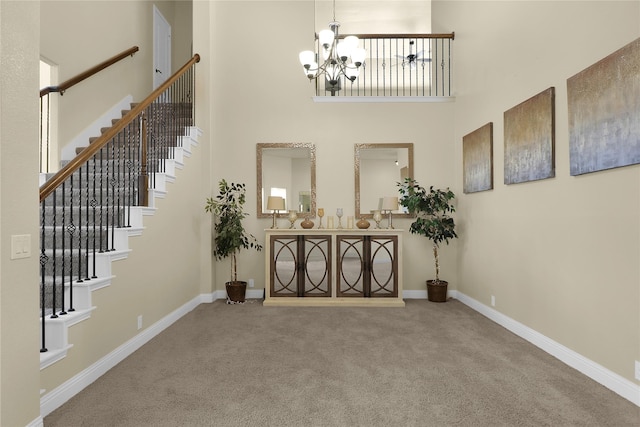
(91, 207)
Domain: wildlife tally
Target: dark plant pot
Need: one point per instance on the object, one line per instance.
(236, 291)
(437, 291)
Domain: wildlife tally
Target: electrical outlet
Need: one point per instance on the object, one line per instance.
(637, 370)
(140, 322)
(251, 283)
(493, 301)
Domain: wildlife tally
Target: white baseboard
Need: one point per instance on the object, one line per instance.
(58, 396)
(415, 294)
(251, 294)
(38, 422)
(596, 372)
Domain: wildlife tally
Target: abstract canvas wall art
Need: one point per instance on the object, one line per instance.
(604, 112)
(477, 159)
(529, 139)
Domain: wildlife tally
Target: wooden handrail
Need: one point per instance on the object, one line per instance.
(405, 36)
(401, 36)
(64, 173)
(90, 72)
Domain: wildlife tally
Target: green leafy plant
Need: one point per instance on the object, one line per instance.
(432, 208)
(227, 209)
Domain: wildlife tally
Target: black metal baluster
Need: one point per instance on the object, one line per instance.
(120, 176)
(138, 163)
(377, 69)
(436, 74)
(100, 226)
(54, 232)
(111, 202)
(130, 163)
(384, 68)
(166, 131)
(397, 73)
(64, 255)
(106, 201)
(71, 228)
(94, 204)
(152, 126)
(80, 225)
(422, 65)
(449, 63)
(43, 262)
(87, 225)
(146, 162)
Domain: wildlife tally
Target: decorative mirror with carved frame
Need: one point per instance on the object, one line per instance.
(378, 167)
(287, 170)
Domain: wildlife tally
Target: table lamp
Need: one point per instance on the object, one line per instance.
(390, 204)
(275, 203)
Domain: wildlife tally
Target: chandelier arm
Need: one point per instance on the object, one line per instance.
(333, 67)
(342, 69)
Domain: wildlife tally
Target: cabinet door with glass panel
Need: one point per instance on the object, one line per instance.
(367, 266)
(300, 266)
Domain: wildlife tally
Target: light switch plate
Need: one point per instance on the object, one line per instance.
(637, 370)
(20, 246)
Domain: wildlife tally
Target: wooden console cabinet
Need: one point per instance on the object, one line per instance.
(321, 267)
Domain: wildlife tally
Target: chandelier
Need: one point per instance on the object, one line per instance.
(342, 57)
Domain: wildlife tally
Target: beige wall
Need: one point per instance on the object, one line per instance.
(203, 22)
(77, 35)
(559, 255)
(19, 342)
(260, 94)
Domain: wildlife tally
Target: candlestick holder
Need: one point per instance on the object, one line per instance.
(293, 215)
(377, 217)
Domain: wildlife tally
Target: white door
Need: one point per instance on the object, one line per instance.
(161, 48)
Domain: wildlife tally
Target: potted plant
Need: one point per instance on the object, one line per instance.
(231, 237)
(432, 208)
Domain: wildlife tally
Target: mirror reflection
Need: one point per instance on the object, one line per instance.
(286, 170)
(378, 167)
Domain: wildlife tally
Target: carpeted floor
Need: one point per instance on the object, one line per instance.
(427, 364)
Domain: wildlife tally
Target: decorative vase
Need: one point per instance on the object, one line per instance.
(307, 223)
(236, 292)
(362, 224)
(437, 291)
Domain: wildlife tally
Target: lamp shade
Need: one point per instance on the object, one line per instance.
(307, 58)
(326, 38)
(357, 56)
(343, 50)
(275, 203)
(352, 73)
(389, 203)
(352, 41)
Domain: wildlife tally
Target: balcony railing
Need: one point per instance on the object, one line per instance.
(399, 65)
